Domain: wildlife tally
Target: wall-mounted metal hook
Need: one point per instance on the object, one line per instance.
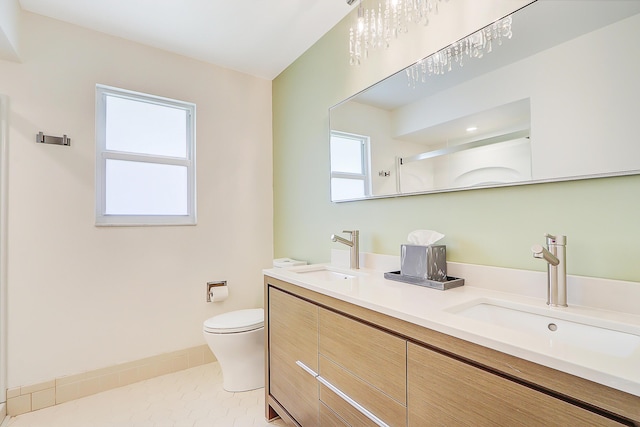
(47, 139)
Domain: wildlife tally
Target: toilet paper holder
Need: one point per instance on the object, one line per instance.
(214, 285)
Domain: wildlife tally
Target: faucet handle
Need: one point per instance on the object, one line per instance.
(556, 240)
(542, 253)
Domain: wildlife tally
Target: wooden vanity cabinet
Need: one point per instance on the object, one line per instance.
(315, 359)
(403, 374)
(293, 346)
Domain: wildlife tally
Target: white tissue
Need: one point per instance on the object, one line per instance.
(424, 237)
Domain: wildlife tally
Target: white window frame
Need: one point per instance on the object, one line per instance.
(102, 155)
(365, 176)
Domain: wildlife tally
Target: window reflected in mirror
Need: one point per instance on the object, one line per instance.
(349, 166)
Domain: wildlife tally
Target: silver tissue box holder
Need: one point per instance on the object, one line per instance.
(425, 262)
(424, 266)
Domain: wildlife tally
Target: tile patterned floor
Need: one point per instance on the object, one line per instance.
(189, 398)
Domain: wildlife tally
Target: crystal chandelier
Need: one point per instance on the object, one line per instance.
(473, 46)
(376, 26)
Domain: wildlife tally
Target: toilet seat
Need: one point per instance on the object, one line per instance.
(235, 321)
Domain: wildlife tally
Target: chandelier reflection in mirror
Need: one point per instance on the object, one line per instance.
(376, 26)
(473, 46)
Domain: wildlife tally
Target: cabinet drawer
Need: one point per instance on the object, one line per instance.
(445, 391)
(328, 418)
(374, 356)
(370, 398)
(343, 410)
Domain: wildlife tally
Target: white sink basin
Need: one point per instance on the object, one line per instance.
(324, 272)
(558, 329)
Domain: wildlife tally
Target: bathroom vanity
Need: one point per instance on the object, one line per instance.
(336, 355)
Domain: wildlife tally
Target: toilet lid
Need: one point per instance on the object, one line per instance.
(235, 321)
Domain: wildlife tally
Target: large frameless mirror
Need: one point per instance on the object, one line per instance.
(554, 98)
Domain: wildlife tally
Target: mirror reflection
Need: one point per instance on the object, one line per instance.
(556, 101)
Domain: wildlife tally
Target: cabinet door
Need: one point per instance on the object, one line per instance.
(445, 391)
(293, 347)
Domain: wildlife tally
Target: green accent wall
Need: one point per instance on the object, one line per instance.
(496, 227)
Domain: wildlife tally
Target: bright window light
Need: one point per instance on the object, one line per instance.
(145, 159)
(350, 177)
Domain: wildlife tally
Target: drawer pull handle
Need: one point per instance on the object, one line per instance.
(364, 411)
(307, 369)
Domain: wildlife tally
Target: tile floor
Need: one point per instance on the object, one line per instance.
(189, 398)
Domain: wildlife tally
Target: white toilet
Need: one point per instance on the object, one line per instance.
(237, 340)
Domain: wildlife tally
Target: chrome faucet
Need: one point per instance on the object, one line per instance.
(555, 256)
(354, 245)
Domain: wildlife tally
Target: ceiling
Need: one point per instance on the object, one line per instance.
(257, 37)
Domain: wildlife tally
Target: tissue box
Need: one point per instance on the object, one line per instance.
(426, 262)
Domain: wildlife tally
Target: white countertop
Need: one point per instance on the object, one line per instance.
(435, 309)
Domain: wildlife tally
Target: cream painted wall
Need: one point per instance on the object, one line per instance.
(492, 226)
(83, 297)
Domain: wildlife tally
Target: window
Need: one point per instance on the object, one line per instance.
(349, 166)
(145, 159)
